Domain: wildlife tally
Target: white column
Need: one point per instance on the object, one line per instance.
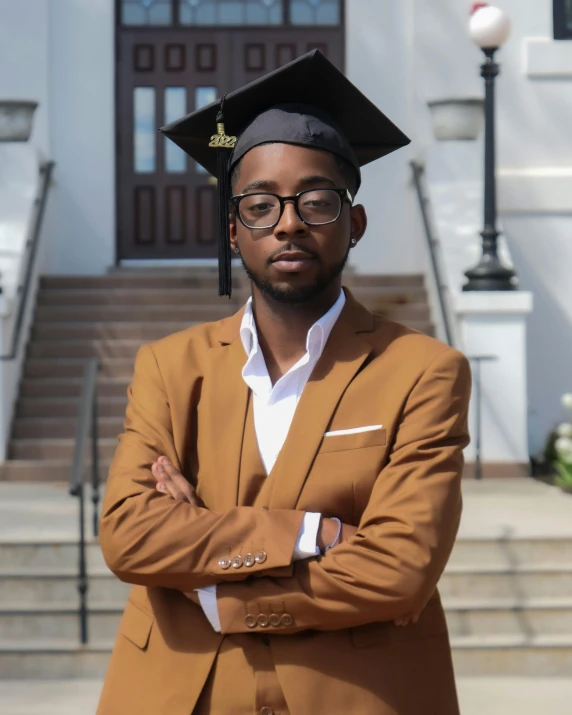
(494, 324)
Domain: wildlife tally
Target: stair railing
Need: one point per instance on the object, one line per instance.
(86, 428)
(25, 284)
(443, 294)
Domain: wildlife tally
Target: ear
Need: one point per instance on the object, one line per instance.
(232, 232)
(358, 222)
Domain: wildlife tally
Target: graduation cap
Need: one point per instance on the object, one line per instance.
(307, 102)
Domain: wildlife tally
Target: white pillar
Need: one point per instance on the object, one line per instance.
(494, 324)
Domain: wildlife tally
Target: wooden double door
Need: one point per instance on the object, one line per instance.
(166, 202)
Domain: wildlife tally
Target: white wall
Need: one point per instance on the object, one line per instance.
(379, 36)
(24, 60)
(535, 171)
(82, 133)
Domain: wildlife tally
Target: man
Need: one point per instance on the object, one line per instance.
(286, 492)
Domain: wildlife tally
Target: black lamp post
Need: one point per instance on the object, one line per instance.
(490, 28)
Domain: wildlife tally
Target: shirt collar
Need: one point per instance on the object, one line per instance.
(316, 338)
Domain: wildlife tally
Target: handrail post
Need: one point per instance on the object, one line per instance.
(86, 426)
(95, 465)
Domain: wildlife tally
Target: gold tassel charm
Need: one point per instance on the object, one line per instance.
(220, 140)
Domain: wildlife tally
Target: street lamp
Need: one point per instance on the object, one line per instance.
(489, 28)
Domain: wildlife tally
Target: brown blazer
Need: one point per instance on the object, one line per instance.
(337, 651)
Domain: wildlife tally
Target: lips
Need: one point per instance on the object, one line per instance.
(292, 261)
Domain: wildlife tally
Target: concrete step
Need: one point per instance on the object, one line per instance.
(53, 659)
(62, 428)
(37, 587)
(189, 314)
(509, 616)
(528, 582)
(20, 470)
(511, 554)
(74, 367)
(43, 622)
(507, 655)
(374, 295)
(200, 278)
(49, 557)
(71, 387)
(57, 449)
(84, 349)
(143, 332)
(67, 407)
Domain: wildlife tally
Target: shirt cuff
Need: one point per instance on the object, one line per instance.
(207, 598)
(307, 545)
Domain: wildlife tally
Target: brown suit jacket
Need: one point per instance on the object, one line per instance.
(339, 651)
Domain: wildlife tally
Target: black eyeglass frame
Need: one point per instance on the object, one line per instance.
(344, 195)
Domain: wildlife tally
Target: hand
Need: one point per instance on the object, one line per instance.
(406, 620)
(172, 483)
(328, 530)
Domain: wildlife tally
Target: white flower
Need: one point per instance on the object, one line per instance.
(564, 430)
(567, 400)
(563, 446)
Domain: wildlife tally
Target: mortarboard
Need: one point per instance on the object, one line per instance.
(307, 102)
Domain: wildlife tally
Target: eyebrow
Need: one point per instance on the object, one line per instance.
(268, 185)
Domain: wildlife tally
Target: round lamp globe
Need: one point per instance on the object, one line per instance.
(489, 27)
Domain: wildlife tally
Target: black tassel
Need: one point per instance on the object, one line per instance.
(223, 145)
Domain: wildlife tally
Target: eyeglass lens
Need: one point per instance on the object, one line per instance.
(315, 207)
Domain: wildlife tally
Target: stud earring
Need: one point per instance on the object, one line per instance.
(236, 249)
(353, 241)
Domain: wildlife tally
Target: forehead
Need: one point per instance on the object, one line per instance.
(280, 158)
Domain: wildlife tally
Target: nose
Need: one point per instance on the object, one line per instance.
(290, 223)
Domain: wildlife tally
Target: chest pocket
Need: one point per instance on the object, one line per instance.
(354, 440)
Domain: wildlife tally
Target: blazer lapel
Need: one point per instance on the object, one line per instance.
(344, 354)
(224, 400)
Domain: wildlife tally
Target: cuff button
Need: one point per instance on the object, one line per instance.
(262, 620)
(250, 622)
(224, 564)
(237, 562)
(286, 620)
(274, 620)
(249, 560)
(261, 557)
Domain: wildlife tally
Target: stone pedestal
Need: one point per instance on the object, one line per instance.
(493, 324)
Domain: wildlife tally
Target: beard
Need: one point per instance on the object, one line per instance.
(297, 294)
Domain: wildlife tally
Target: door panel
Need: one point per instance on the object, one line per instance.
(166, 202)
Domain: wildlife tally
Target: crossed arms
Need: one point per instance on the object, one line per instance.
(387, 570)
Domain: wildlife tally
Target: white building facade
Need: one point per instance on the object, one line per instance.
(70, 56)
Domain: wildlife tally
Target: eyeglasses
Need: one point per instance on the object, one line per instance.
(315, 207)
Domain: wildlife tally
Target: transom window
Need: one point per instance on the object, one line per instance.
(161, 13)
(562, 19)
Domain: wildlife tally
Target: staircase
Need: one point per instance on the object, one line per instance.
(110, 317)
(508, 599)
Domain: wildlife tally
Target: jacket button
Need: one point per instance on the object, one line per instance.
(224, 563)
(250, 622)
(274, 620)
(249, 560)
(262, 620)
(286, 620)
(237, 562)
(267, 711)
(261, 557)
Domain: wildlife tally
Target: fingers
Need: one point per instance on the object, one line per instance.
(172, 483)
(407, 620)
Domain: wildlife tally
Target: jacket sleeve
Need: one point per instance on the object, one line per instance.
(391, 566)
(151, 540)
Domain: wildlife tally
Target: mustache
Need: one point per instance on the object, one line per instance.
(291, 247)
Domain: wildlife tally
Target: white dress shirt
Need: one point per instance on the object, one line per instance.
(274, 407)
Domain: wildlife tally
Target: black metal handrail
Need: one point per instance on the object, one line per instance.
(86, 427)
(433, 244)
(24, 287)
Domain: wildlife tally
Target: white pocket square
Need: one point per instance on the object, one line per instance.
(353, 430)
